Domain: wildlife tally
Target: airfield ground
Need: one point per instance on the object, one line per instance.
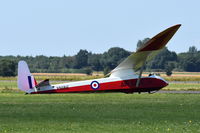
(176, 76)
(178, 81)
(115, 112)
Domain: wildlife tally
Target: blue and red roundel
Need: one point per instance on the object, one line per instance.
(95, 85)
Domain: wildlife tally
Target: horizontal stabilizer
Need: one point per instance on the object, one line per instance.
(43, 83)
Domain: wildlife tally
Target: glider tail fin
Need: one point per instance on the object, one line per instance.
(26, 81)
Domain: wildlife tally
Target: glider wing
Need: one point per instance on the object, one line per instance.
(149, 50)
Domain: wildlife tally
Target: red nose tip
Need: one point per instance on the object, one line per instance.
(165, 83)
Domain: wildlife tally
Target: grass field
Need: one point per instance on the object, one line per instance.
(75, 113)
(176, 76)
(93, 113)
(183, 86)
(59, 77)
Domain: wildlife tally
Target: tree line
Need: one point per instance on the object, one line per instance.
(87, 62)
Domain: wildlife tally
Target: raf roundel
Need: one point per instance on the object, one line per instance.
(95, 85)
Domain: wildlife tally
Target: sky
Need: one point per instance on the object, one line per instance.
(63, 27)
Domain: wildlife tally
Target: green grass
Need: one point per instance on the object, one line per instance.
(11, 86)
(176, 73)
(93, 113)
(60, 77)
(8, 86)
(185, 79)
(178, 77)
(183, 86)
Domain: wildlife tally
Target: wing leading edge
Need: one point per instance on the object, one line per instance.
(149, 50)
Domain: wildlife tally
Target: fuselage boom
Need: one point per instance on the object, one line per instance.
(111, 84)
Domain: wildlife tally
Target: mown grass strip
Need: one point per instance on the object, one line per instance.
(58, 77)
(99, 113)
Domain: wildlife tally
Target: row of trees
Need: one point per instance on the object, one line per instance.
(86, 62)
(82, 62)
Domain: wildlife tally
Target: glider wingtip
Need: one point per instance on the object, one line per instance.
(174, 29)
(177, 26)
(160, 40)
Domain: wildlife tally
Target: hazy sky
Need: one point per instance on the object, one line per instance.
(59, 27)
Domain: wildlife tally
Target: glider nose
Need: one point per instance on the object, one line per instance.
(161, 82)
(165, 83)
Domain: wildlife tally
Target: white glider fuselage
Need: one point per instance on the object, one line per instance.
(110, 84)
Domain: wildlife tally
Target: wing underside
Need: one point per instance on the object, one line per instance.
(149, 50)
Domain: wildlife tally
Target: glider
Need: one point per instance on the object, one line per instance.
(122, 79)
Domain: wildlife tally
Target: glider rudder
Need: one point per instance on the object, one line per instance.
(26, 81)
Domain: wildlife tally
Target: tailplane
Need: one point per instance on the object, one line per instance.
(26, 81)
